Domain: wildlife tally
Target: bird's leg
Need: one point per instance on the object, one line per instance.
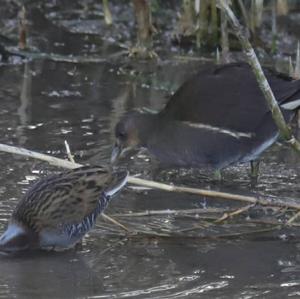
(254, 172)
(217, 175)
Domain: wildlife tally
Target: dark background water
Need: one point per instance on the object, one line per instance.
(43, 103)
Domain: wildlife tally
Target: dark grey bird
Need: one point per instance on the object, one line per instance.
(57, 211)
(215, 119)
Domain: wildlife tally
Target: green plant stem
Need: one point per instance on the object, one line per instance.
(279, 120)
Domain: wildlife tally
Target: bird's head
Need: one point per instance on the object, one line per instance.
(17, 238)
(131, 133)
(126, 136)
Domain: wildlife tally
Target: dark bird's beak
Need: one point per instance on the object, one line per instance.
(116, 152)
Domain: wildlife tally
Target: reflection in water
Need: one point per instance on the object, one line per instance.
(107, 267)
(160, 269)
(55, 275)
(82, 106)
(24, 109)
(25, 96)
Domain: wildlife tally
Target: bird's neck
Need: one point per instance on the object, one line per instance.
(147, 125)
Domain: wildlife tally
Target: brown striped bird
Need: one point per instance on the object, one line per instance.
(58, 210)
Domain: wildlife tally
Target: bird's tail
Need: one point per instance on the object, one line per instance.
(293, 105)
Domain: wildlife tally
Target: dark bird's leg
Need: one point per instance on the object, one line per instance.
(254, 172)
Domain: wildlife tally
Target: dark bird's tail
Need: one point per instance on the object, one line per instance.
(293, 105)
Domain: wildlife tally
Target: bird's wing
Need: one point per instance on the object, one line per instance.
(226, 96)
(64, 198)
(285, 89)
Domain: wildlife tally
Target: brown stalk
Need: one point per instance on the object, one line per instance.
(279, 120)
(152, 184)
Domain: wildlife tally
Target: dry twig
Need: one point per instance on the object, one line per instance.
(279, 120)
(152, 184)
(173, 212)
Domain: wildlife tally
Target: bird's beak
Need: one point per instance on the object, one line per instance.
(116, 152)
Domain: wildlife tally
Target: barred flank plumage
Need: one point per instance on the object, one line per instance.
(79, 229)
(58, 210)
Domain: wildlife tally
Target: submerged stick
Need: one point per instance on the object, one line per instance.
(226, 215)
(211, 193)
(278, 118)
(152, 184)
(184, 235)
(169, 212)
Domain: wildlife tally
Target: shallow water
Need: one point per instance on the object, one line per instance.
(44, 103)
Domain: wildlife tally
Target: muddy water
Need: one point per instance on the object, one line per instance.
(43, 103)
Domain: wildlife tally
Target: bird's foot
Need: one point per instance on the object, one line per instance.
(254, 172)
